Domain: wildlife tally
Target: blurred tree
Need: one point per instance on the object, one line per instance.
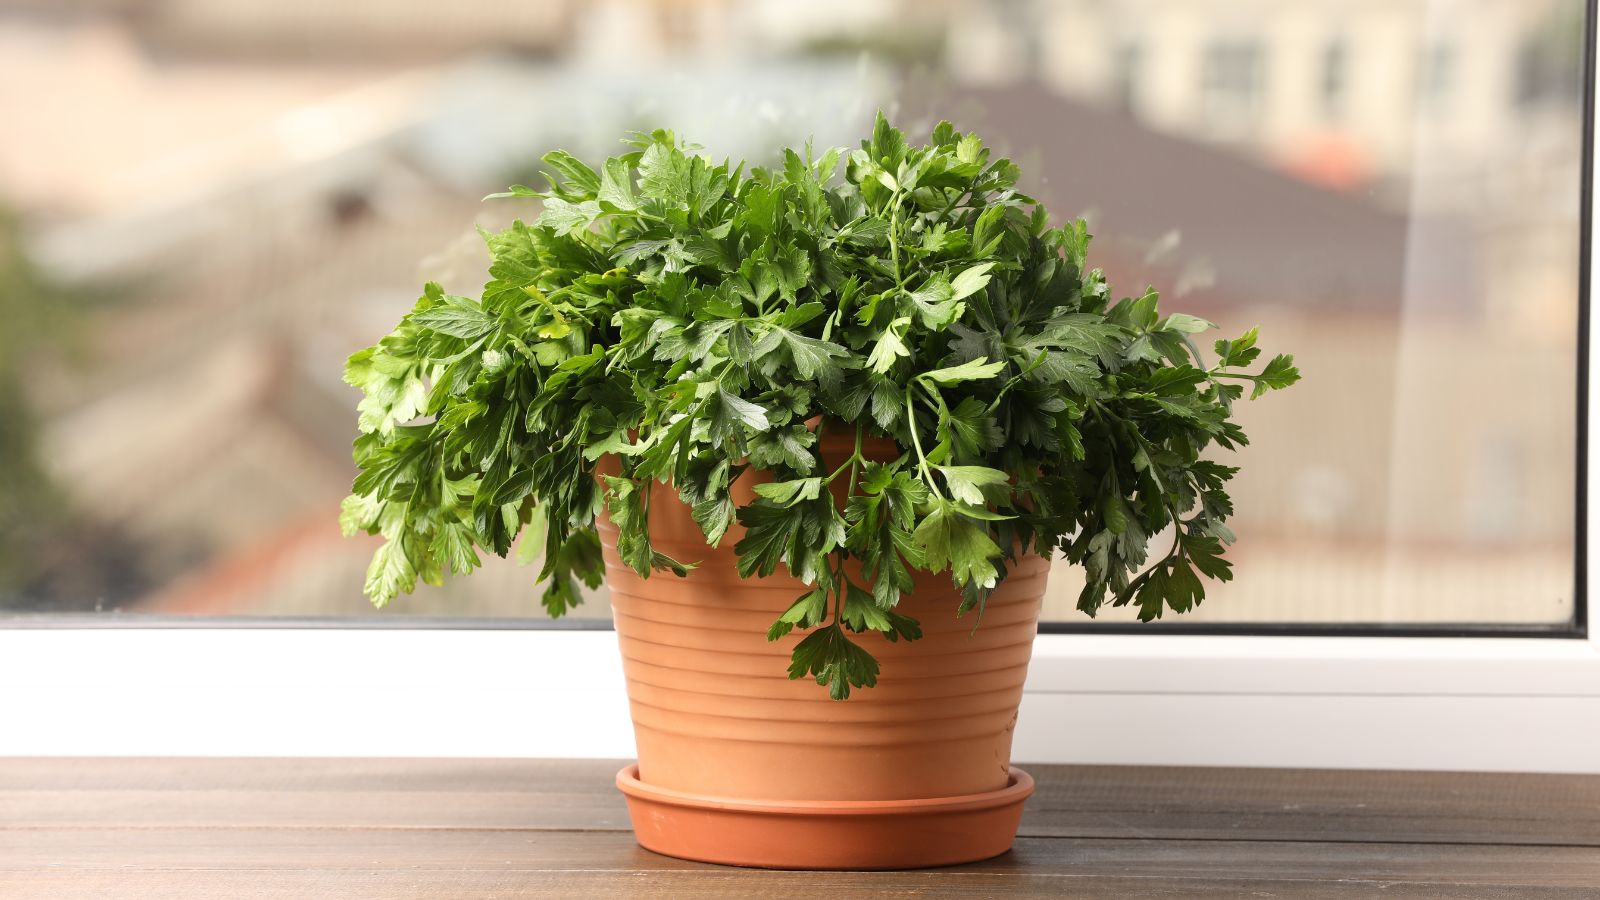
(1549, 64)
(50, 555)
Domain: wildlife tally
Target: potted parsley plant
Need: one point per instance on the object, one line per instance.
(821, 427)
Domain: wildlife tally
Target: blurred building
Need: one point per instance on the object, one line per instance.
(1342, 90)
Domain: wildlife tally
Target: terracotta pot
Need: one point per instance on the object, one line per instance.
(739, 764)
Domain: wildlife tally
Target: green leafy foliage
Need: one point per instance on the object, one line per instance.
(691, 319)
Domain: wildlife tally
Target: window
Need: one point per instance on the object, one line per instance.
(185, 443)
(178, 302)
(1333, 82)
(1125, 76)
(1232, 83)
(1438, 78)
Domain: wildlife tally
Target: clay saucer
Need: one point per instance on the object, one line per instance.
(809, 834)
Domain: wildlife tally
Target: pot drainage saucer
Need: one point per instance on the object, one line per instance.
(812, 834)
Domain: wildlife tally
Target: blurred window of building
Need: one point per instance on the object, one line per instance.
(1334, 79)
(1233, 82)
(1126, 72)
(1437, 85)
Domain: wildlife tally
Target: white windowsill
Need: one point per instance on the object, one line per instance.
(1467, 703)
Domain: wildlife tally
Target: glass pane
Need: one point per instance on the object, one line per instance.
(205, 207)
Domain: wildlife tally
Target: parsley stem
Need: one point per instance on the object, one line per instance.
(840, 471)
(922, 461)
(849, 463)
(955, 198)
(894, 231)
(843, 584)
(1211, 373)
(854, 459)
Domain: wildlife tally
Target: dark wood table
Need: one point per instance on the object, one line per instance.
(329, 828)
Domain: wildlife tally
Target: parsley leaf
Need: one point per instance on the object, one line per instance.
(968, 371)
(835, 661)
(731, 415)
(951, 538)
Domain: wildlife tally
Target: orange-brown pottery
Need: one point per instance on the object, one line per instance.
(739, 764)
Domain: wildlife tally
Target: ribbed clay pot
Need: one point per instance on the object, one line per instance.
(739, 764)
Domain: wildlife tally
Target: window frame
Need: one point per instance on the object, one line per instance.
(1462, 696)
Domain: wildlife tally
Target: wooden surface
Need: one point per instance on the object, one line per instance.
(557, 828)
